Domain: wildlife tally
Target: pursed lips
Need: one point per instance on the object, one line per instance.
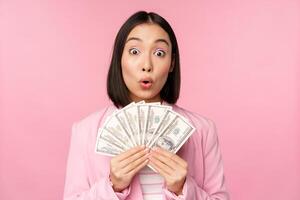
(146, 80)
(146, 83)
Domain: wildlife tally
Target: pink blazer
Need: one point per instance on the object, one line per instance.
(87, 172)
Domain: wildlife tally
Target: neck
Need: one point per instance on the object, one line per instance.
(155, 99)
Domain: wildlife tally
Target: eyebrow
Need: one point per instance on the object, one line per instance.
(156, 41)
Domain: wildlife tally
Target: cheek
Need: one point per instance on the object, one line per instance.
(129, 72)
(166, 69)
(129, 65)
(127, 76)
(163, 71)
(164, 65)
(126, 66)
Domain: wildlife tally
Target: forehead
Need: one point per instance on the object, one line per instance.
(148, 33)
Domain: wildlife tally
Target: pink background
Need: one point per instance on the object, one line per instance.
(240, 67)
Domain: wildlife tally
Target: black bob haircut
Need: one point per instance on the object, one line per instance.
(116, 88)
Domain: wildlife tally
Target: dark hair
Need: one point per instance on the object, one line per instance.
(116, 88)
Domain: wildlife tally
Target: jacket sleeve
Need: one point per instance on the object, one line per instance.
(214, 180)
(77, 186)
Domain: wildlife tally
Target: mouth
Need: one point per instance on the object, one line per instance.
(146, 83)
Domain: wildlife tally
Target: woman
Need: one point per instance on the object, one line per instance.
(145, 66)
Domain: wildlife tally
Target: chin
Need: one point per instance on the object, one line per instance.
(147, 97)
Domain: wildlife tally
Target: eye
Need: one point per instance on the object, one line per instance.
(160, 53)
(134, 51)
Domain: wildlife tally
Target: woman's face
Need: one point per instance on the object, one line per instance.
(146, 62)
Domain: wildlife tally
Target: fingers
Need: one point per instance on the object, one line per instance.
(171, 167)
(129, 153)
(125, 165)
(160, 165)
(155, 156)
(166, 156)
(134, 158)
(138, 167)
(168, 163)
(159, 169)
(132, 165)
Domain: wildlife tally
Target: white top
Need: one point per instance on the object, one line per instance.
(151, 184)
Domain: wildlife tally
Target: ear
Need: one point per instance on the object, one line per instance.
(172, 65)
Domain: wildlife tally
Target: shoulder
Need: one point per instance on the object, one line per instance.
(94, 119)
(206, 132)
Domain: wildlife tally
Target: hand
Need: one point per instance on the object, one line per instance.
(171, 167)
(124, 166)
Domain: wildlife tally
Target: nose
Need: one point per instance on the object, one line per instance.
(147, 67)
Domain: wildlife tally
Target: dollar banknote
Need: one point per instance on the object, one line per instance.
(154, 118)
(174, 135)
(150, 124)
(107, 146)
(167, 119)
(132, 117)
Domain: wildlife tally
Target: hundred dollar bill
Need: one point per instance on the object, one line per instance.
(132, 117)
(111, 138)
(105, 147)
(154, 117)
(121, 116)
(114, 126)
(168, 118)
(175, 135)
(143, 114)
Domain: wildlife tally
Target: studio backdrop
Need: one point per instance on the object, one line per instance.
(240, 67)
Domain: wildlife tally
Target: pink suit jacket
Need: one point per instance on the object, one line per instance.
(87, 172)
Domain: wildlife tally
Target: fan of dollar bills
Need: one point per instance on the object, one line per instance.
(149, 124)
